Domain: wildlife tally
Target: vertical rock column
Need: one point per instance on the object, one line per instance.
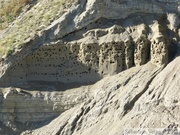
(159, 45)
(159, 50)
(112, 58)
(129, 52)
(88, 55)
(141, 53)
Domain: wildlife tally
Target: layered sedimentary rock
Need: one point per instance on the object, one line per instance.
(88, 43)
(85, 15)
(94, 52)
(141, 100)
(19, 107)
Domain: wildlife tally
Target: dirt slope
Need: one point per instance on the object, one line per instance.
(138, 99)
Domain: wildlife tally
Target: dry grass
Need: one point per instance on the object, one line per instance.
(12, 7)
(9, 9)
(32, 23)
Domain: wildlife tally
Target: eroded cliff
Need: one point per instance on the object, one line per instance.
(92, 40)
(104, 47)
(142, 100)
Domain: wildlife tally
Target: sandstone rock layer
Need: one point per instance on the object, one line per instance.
(104, 66)
(140, 98)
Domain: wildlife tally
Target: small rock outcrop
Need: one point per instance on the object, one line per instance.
(23, 109)
(159, 45)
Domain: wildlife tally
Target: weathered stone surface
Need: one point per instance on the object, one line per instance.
(135, 100)
(88, 12)
(90, 42)
(18, 105)
(142, 50)
(94, 52)
(159, 45)
(22, 109)
(96, 9)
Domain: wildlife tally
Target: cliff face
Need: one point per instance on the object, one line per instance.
(92, 40)
(105, 46)
(141, 100)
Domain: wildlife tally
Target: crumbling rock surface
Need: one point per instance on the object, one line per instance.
(88, 55)
(96, 21)
(140, 100)
(22, 109)
(134, 41)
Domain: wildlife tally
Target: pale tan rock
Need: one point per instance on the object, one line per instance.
(18, 105)
(174, 21)
(88, 44)
(135, 100)
(142, 51)
(159, 45)
(129, 52)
